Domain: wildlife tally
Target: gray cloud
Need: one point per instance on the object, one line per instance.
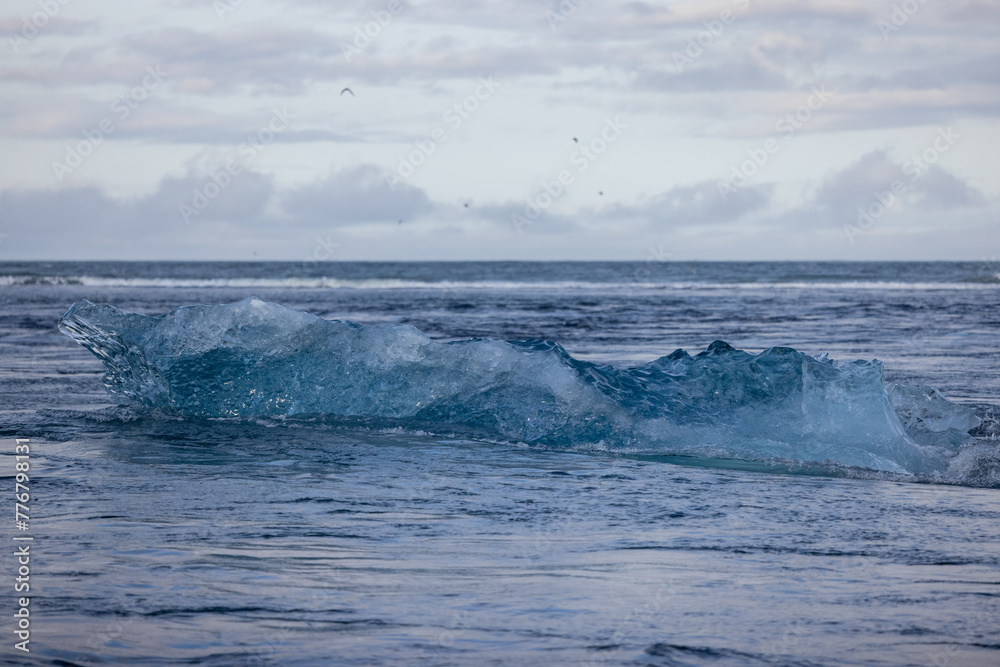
(682, 206)
(353, 196)
(87, 213)
(697, 205)
(182, 208)
(876, 179)
(27, 27)
(503, 216)
(265, 58)
(845, 190)
(746, 75)
(942, 190)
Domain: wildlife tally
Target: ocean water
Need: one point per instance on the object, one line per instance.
(161, 538)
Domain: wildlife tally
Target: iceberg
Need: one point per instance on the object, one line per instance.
(260, 359)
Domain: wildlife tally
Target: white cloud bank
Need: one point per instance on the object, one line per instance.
(146, 106)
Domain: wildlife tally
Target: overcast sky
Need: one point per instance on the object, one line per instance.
(740, 129)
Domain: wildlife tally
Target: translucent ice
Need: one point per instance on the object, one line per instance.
(254, 358)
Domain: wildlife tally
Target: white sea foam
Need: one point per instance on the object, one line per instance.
(485, 285)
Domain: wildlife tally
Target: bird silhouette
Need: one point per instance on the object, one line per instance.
(575, 140)
(348, 90)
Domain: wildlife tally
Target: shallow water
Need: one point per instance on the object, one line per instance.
(164, 541)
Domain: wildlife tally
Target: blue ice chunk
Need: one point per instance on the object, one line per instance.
(255, 358)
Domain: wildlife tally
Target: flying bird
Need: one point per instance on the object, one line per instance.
(348, 90)
(575, 140)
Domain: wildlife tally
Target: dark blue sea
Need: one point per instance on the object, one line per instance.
(595, 502)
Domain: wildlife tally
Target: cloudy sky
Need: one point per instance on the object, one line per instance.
(521, 129)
